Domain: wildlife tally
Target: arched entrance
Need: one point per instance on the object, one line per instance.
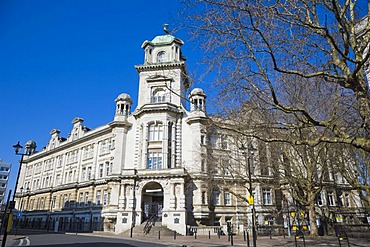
(152, 201)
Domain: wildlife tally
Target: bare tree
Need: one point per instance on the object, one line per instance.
(354, 166)
(265, 50)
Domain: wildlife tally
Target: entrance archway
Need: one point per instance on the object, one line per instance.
(152, 201)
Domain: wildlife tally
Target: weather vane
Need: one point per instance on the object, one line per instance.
(165, 28)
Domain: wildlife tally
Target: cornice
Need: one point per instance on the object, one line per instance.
(120, 124)
(159, 66)
(153, 108)
(197, 119)
(104, 130)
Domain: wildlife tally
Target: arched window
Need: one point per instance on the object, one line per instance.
(161, 57)
(158, 96)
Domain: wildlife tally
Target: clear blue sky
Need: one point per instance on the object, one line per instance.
(65, 59)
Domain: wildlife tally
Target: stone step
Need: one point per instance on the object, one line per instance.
(154, 230)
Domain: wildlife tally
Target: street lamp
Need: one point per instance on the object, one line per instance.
(133, 220)
(249, 159)
(30, 148)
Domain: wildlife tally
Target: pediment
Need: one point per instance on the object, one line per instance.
(158, 78)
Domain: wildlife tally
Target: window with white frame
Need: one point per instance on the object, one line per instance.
(226, 166)
(266, 196)
(216, 198)
(227, 198)
(42, 204)
(98, 197)
(161, 57)
(89, 174)
(65, 200)
(159, 95)
(319, 199)
(83, 174)
(58, 179)
(154, 160)
(346, 200)
(204, 196)
(53, 202)
(60, 161)
(101, 170)
(88, 152)
(81, 198)
(106, 197)
(330, 199)
(86, 198)
(156, 132)
(224, 142)
(214, 141)
(108, 167)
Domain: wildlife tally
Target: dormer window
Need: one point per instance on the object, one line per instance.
(161, 57)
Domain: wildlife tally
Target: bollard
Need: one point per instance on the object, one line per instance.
(299, 234)
(341, 237)
(219, 233)
(209, 234)
(174, 235)
(248, 239)
(283, 232)
(159, 234)
(195, 235)
(232, 239)
(245, 238)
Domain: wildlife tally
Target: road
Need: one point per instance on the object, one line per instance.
(70, 240)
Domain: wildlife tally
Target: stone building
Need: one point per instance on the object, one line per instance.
(147, 164)
(4, 177)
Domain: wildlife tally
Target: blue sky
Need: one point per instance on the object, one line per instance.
(65, 59)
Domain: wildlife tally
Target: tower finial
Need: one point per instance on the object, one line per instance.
(165, 28)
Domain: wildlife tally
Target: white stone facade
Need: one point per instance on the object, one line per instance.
(132, 167)
(148, 162)
(4, 177)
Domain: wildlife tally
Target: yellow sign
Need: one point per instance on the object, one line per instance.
(302, 213)
(266, 222)
(292, 214)
(250, 200)
(294, 228)
(304, 228)
(339, 219)
(9, 222)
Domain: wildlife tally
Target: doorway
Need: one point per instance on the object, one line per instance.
(152, 201)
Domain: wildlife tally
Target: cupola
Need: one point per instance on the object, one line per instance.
(198, 100)
(123, 106)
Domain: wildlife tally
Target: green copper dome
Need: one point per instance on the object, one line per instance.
(163, 40)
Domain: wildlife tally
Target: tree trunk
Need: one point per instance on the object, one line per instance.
(314, 231)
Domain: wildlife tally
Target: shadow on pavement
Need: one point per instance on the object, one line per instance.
(95, 244)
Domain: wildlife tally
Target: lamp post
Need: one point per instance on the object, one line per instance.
(30, 148)
(133, 203)
(249, 159)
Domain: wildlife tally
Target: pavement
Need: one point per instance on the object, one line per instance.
(214, 241)
(262, 241)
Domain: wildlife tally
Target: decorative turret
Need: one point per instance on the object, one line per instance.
(30, 147)
(163, 76)
(198, 100)
(123, 107)
(163, 49)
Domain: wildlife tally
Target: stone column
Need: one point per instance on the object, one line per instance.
(165, 146)
(172, 196)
